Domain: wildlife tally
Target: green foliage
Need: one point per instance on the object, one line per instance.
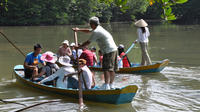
(181, 1)
(79, 11)
(52, 12)
(37, 12)
(168, 15)
(188, 12)
(3, 5)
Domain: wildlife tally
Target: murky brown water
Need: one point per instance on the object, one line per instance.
(175, 89)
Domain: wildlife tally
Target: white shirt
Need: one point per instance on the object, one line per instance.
(79, 53)
(104, 40)
(60, 74)
(87, 74)
(143, 37)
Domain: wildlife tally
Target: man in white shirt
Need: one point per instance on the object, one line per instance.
(108, 47)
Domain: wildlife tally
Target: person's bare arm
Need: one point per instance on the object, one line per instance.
(69, 52)
(28, 66)
(86, 30)
(71, 74)
(86, 43)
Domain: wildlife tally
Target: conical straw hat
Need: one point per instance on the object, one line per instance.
(141, 23)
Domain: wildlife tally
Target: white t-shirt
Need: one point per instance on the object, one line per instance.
(79, 53)
(143, 37)
(87, 74)
(104, 40)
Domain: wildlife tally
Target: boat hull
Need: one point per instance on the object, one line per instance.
(157, 67)
(116, 96)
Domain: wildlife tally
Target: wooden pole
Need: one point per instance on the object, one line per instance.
(13, 44)
(79, 75)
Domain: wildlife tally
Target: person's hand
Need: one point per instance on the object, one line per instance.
(39, 82)
(75, 29)
(76, 47)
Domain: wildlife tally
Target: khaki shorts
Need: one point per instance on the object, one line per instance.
(110, 62)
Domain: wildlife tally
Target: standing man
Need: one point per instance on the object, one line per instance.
(108, 47)
(31, 62)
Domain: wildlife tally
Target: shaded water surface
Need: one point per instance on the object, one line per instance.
(175, 89)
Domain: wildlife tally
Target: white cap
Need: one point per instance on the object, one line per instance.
(66, 42)
(72, 44)
(121, 46)
(95, 20)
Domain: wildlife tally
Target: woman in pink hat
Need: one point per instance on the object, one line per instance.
(50, 58)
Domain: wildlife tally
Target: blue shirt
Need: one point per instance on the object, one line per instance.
(31, 60)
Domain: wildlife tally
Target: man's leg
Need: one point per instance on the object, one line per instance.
(112, 76)
(106, 77)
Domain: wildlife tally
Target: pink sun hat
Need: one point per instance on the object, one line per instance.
(49, 57)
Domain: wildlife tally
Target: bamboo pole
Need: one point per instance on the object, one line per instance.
(81, 104)
(12, 44)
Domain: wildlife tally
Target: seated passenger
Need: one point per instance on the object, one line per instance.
(73, 57)
(65, 69)
(122, 55)
(31, 62)
(87, 75)
(88, 56)
(93, 50)
(64, 49)
(50, 58)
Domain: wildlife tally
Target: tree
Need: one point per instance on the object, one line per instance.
(165, 4)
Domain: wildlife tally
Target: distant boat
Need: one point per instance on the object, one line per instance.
(137, 68)
(114, 96)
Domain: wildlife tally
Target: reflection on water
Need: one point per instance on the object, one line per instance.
(174, 89)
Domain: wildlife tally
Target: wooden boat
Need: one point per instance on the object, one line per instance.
(136, 68)
(114, 96)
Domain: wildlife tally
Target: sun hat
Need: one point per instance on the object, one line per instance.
(82, 61)
(141, 23)
(93, 48)
(49, 57)
(66, 42)
(94, 20)
(65, 60)
(72, 44)
(121, 46)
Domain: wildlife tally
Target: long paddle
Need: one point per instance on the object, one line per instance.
(79, 75)
(129, 49)
(12, 44)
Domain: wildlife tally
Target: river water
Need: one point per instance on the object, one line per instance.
(174, 89)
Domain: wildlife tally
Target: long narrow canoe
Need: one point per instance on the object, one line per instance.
(115, 96)
(136, 68)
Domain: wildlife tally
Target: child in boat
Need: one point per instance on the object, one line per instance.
(50, 58)
(31, 62)
(122, 55)
(65, 69)
(93, 50)
(86, 74)
(64, 49)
